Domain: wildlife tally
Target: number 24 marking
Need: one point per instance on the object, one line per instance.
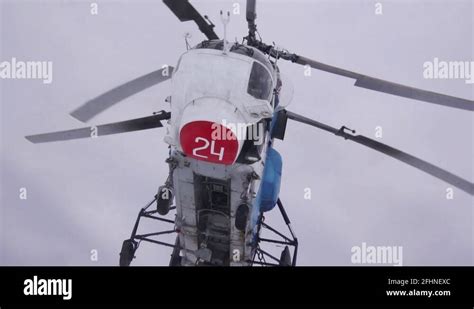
(205, 146)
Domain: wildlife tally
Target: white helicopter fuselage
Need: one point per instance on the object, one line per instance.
(213, 108)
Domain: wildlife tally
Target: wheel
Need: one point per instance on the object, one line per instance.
(164, 200)
(285, 257)
(128, 252)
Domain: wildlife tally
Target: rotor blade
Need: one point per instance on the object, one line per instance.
(420, 164)
(185, 12)
(380, 85)
(97, 105)
(251, 15)
(144, 123)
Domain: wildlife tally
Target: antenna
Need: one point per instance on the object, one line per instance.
(225, 21)
(187, 36)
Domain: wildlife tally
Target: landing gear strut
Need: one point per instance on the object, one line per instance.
(259, 257)
(130, 246)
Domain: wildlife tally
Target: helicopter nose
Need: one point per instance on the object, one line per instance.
(212, 130)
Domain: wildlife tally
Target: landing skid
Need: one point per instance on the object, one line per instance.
(131, 245)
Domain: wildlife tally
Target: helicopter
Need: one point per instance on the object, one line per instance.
(228, 104)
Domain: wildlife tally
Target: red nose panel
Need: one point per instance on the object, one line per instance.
(209, 141)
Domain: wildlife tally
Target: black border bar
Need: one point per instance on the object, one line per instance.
(242, 285)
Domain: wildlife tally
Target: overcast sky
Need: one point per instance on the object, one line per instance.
(84, 195)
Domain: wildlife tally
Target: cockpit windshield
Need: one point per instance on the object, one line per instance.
(260, 83)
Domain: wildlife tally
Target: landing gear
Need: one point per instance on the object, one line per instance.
(130, 246)
(259, 257)
(164, 199)
(127, 254)
(285, 257)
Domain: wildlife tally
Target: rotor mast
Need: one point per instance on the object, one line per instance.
(251, 15)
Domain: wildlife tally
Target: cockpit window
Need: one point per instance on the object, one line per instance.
(260, 83)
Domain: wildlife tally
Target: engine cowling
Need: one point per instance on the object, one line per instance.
(212, 130)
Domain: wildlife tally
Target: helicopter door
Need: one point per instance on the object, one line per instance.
(212, 198)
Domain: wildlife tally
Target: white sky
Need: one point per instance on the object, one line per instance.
(85, 195)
